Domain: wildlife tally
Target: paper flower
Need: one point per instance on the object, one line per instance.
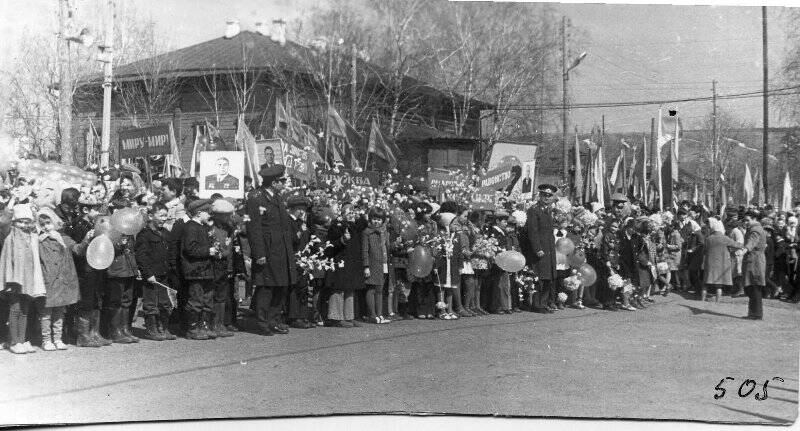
(615, 281)
(562, 297)
(441, 305)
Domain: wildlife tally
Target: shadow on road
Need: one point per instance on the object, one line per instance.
(773, 419)
(696, 311)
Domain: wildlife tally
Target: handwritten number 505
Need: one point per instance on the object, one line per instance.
(745, 389)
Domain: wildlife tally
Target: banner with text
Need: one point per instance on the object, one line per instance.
(345, 178)
(144, 142)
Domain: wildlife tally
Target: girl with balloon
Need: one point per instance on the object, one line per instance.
(420, 262)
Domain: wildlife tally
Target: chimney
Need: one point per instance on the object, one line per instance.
(279, 31)
(262, 29)
(232, 28)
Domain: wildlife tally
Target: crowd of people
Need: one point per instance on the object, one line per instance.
(312, 255)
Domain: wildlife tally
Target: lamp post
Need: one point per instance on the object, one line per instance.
(65, 79)
(105, 142)
(565, 77)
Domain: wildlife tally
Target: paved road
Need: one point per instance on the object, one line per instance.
(661, 363)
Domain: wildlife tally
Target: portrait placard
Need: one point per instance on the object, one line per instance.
(221, 172)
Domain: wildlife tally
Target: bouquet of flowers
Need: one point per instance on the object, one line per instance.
(627, 287)
(527, 279)
(312, 258)
(662, 268)
(563, 206)
(440, 244)
(562, 297)
(572, 283)
(483, 251)
(585, 217)
(615, 282)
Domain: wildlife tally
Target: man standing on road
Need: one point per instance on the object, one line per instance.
(754, 265)
(542, 250)
(269, 233)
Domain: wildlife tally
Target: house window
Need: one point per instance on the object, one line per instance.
(449, 158)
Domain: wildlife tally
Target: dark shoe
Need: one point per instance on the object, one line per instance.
(151, 328)
(207, 324)
(94, 328)
(163, 326)
(195, 331)
(116, 324)
(299, 324)
(82, 326)
(278, 330)
(340, 324)
(125, 326)
(219, 321)
(355, 324)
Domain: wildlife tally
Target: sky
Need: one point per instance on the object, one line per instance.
(634, 52)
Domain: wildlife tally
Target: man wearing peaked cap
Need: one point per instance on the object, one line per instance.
(542, 248)
(199, 205)
(272, 246)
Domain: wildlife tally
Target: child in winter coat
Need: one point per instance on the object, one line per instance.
(60, 277)
(21, 277)
(374, 240)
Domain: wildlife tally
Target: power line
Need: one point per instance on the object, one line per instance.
(785, 91)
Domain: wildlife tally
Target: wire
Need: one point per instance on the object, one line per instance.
(785, 91)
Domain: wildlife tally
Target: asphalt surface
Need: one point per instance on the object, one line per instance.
(659, 363)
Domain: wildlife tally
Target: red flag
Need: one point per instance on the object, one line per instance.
(378, 146)
(342, 136)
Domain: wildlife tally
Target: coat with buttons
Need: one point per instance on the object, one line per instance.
(718, 263)
(58, 269)
(269, 233)
(196, 260)
(539, 227)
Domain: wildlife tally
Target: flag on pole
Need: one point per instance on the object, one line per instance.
(616, 174)
(193, 169)
(633, 179)
(724, 201)
(748, 185)
(342, 137)
(578, 169)
(246, 140)
(377, 145)
(675, 151)
(786, 198)
(759, 190)
(172, 162)
(600, 177)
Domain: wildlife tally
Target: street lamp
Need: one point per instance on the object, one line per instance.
(565, 77)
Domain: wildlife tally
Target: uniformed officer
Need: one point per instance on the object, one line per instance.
(269, 233)
(542, 250)
(222, 180)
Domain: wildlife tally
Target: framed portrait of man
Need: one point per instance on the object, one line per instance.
(221, 172)
(269, 152)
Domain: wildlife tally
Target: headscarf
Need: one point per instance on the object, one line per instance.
(716, 225)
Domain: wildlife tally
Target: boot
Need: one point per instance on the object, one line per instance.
(151, 328)
(83, 331)
(207, 321)
(115, 328)
(94, 328)
(219, 321)
(125, 326)
(195, 331)
(163, 325)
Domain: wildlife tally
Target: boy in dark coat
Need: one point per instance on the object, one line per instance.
(542, 258)
(152, 250)
(197, 260)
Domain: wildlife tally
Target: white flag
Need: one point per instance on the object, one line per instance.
(786, 201)
(748, 185)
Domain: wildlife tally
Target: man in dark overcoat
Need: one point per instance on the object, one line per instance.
(269, 233)
(542, 250)
(754, 265)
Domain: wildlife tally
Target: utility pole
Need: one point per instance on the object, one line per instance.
(564, 99)
(714, 137)
(353, 83)
(652, 146)
(108, 75)
(64, 85)
(765, 156)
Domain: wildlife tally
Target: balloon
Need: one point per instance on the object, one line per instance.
(510, 261)
(100, 253)
(127, 221)
(409, 230)
(565, 246)
(561, 259)
(577, 259)
(420, 263)
(588, 274)
(103, 227)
